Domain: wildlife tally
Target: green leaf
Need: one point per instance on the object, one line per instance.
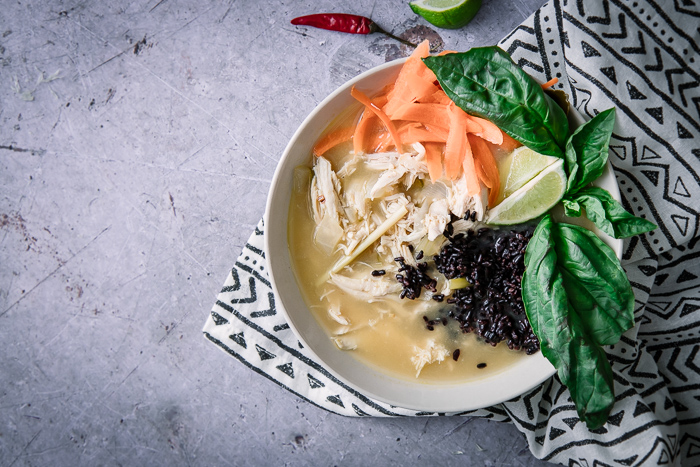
(486, 82)
(608, 214)
(571, 207)
(577, 297)
(587, 150)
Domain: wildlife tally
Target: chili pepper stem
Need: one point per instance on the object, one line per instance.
(396, 38)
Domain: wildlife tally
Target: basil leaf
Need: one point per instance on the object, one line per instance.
(486, 82)
(587, 150)
(595, 283)
(607, 214)
(565, 296)
(571, 207)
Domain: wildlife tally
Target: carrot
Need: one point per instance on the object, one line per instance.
(489, 131)
(550, 83)
(509, 144)
(362, 128)
(438, 97)
(486, 167)
(469, 167)
(439, 132)
(433, 157)
(412, 72)
(332, 139)
(416, 133)
(360, 96)
(428, 114)
(445, 52)
(456, 144)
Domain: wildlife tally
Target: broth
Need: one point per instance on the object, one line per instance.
(388, 332)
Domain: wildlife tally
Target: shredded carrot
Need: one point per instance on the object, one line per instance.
(433, 157)
(486, 167)
(413, 71)
(550, 83)
(489, 131)
(456, 145)
(439, 132)
(438, 97)
(332, 139)
(416, 133)
(363, 126)
(360, 96)
(428, 114)
(445, 52)
(509, 144)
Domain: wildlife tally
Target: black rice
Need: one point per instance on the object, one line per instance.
(413, 279)
(492, 307)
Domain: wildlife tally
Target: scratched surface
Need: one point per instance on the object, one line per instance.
(137, 144)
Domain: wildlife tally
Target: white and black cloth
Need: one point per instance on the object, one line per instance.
(642, 57)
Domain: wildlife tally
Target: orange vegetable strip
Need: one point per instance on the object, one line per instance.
(413, 68)
(438, 131)
(550, 83)
(439, 97)
(469, 167)
(360, 96)
(445, 52)
(416, 133)
(489, 131)
(473, 126)
(332, 139)
(509, 144)
(420, 88)
(456, 144)
(428, 114)
(486, 164)
(433, 158)
(361, 130)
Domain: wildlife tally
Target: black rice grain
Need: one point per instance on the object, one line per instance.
(455, 355)
(492, 307)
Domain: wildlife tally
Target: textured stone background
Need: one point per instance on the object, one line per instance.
(137, 144)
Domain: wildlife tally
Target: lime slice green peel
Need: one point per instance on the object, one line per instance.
(446, 14)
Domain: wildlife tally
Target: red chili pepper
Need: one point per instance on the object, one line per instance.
(343, 22)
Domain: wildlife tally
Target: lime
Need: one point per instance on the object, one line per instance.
(519, 167)
(532, 199)
(446, 14)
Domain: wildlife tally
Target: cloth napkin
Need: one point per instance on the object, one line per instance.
(642, 57)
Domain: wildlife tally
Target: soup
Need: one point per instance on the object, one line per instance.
(378, 241)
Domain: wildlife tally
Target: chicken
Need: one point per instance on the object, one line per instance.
(430, 354)
(366, 287)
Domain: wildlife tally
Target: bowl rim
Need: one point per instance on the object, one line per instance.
(538, 369)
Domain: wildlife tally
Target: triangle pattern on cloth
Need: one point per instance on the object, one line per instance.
(314, 382)
(609, 72)
(681, 222)
(287, 369)
(657, 113)
(683, 132)
(589, 50)
(634, 93)
(239, 339)
(264, 354)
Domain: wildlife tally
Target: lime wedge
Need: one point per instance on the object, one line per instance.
(518, 168)
(533, 199)
(446, 14)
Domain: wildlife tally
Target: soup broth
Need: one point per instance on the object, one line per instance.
(386, 332)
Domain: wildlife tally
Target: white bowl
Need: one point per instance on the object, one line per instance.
(449, 397)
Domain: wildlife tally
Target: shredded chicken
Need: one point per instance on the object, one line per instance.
(365, 286)
(430, 354)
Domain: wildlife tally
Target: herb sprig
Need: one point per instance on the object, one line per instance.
(576, 294)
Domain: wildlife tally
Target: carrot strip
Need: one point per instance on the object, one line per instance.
(438, 97)
(433, 158)
(489, 131)
(439, 132)
(550, 83)
(486, 167)
(445, 52)
(415, 133)
(509, 144)
(428, 114)
(360, 96)
(332, 139)
(366, 120)
(456, 144)
(413, 69)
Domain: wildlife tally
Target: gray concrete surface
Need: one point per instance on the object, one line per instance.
(137, 143)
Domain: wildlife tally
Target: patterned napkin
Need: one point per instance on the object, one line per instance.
(642, 57)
